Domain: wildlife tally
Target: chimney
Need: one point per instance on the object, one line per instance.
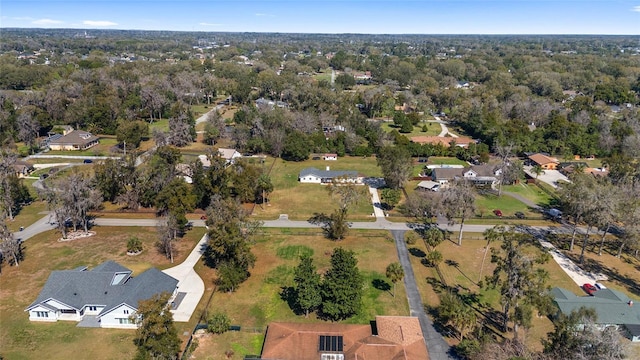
(328, 168)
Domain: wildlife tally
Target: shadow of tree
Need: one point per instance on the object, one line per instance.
(417, 252)
(288, 294)
(381, 285)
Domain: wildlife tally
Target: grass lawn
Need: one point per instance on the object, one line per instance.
(22, 339)
(56, 160)
(301, 201)
(28, 215)
(445, 160)
(102, 149)
(257, 302)
(530, 192)
(461, 268)
(162, 125)
(433, 129)
(485, 204)
(324, 75)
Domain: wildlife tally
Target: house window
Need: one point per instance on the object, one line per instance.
(42, 314)
(126, 311)
(93, 308)
(125, 321)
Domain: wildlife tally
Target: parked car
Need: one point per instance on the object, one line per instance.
(497, 213)
(520, 215)
(203, 217)
(87, 161)
(589, 289)
(600, 286)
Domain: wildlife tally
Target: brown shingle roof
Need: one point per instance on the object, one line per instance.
(541, 159)
(399, 338)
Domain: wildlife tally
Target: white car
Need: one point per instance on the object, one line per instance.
(600, 286)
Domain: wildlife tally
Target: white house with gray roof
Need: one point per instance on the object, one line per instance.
(315, 176)
(106, 296)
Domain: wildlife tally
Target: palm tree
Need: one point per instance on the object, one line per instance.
(537, 169)
(489, 235)
(395, 273)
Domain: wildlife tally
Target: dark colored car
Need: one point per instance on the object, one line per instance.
(589, 289)
(520, 215)
(497, 213)
(203, 217)
(87, 161)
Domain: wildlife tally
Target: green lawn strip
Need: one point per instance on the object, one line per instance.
(530, 192)
(162, 125)
(433, 129)
(55, 160)
(20, 285)
(446, 160)
(28, 214)
(486, 204)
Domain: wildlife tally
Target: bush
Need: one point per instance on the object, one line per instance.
(411, 238)
(134, 245)
(218, 323)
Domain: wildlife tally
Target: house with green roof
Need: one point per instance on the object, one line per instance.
(613, 309)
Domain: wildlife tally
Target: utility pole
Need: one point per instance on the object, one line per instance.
(125, 148)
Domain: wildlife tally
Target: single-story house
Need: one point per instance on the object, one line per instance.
(479, 175)
(106, 296)
(229, 154)
(461, 141)
(428, 185)
(388, 337)
(330, 157)
(613, 309)
(315, 176)
(74, 140)
(262, 102)
(22, 168)
(544, 161)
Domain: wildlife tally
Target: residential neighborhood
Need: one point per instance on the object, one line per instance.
(188, 195)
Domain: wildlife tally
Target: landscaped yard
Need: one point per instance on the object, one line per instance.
(530, 192)
(22, 339)
(257, 302)
(301, 201)
(446, 160)
(27, 215)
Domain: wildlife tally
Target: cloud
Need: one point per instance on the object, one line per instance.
(265, 15)
(46, 22)
(21, 18)
(636, 9)
(99, 23)
(209, 24)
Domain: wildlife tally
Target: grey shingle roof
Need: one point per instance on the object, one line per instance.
(77, 288)
(611, 306)
(327, 174)
(76, 137)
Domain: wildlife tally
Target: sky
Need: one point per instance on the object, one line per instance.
(621, 17)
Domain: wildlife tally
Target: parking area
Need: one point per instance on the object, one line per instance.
(550, 177)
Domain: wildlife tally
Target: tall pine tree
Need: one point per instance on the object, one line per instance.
(342, 286)
(307, 288)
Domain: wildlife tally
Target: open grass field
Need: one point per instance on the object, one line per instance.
(301, 201)
(461, 269)
(530, 192)
(257, 302)
(487, 203)
(102, 149)
(27, 215)
(22, 339)
(433, 129)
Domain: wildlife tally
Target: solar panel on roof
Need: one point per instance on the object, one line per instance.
(330, 343)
